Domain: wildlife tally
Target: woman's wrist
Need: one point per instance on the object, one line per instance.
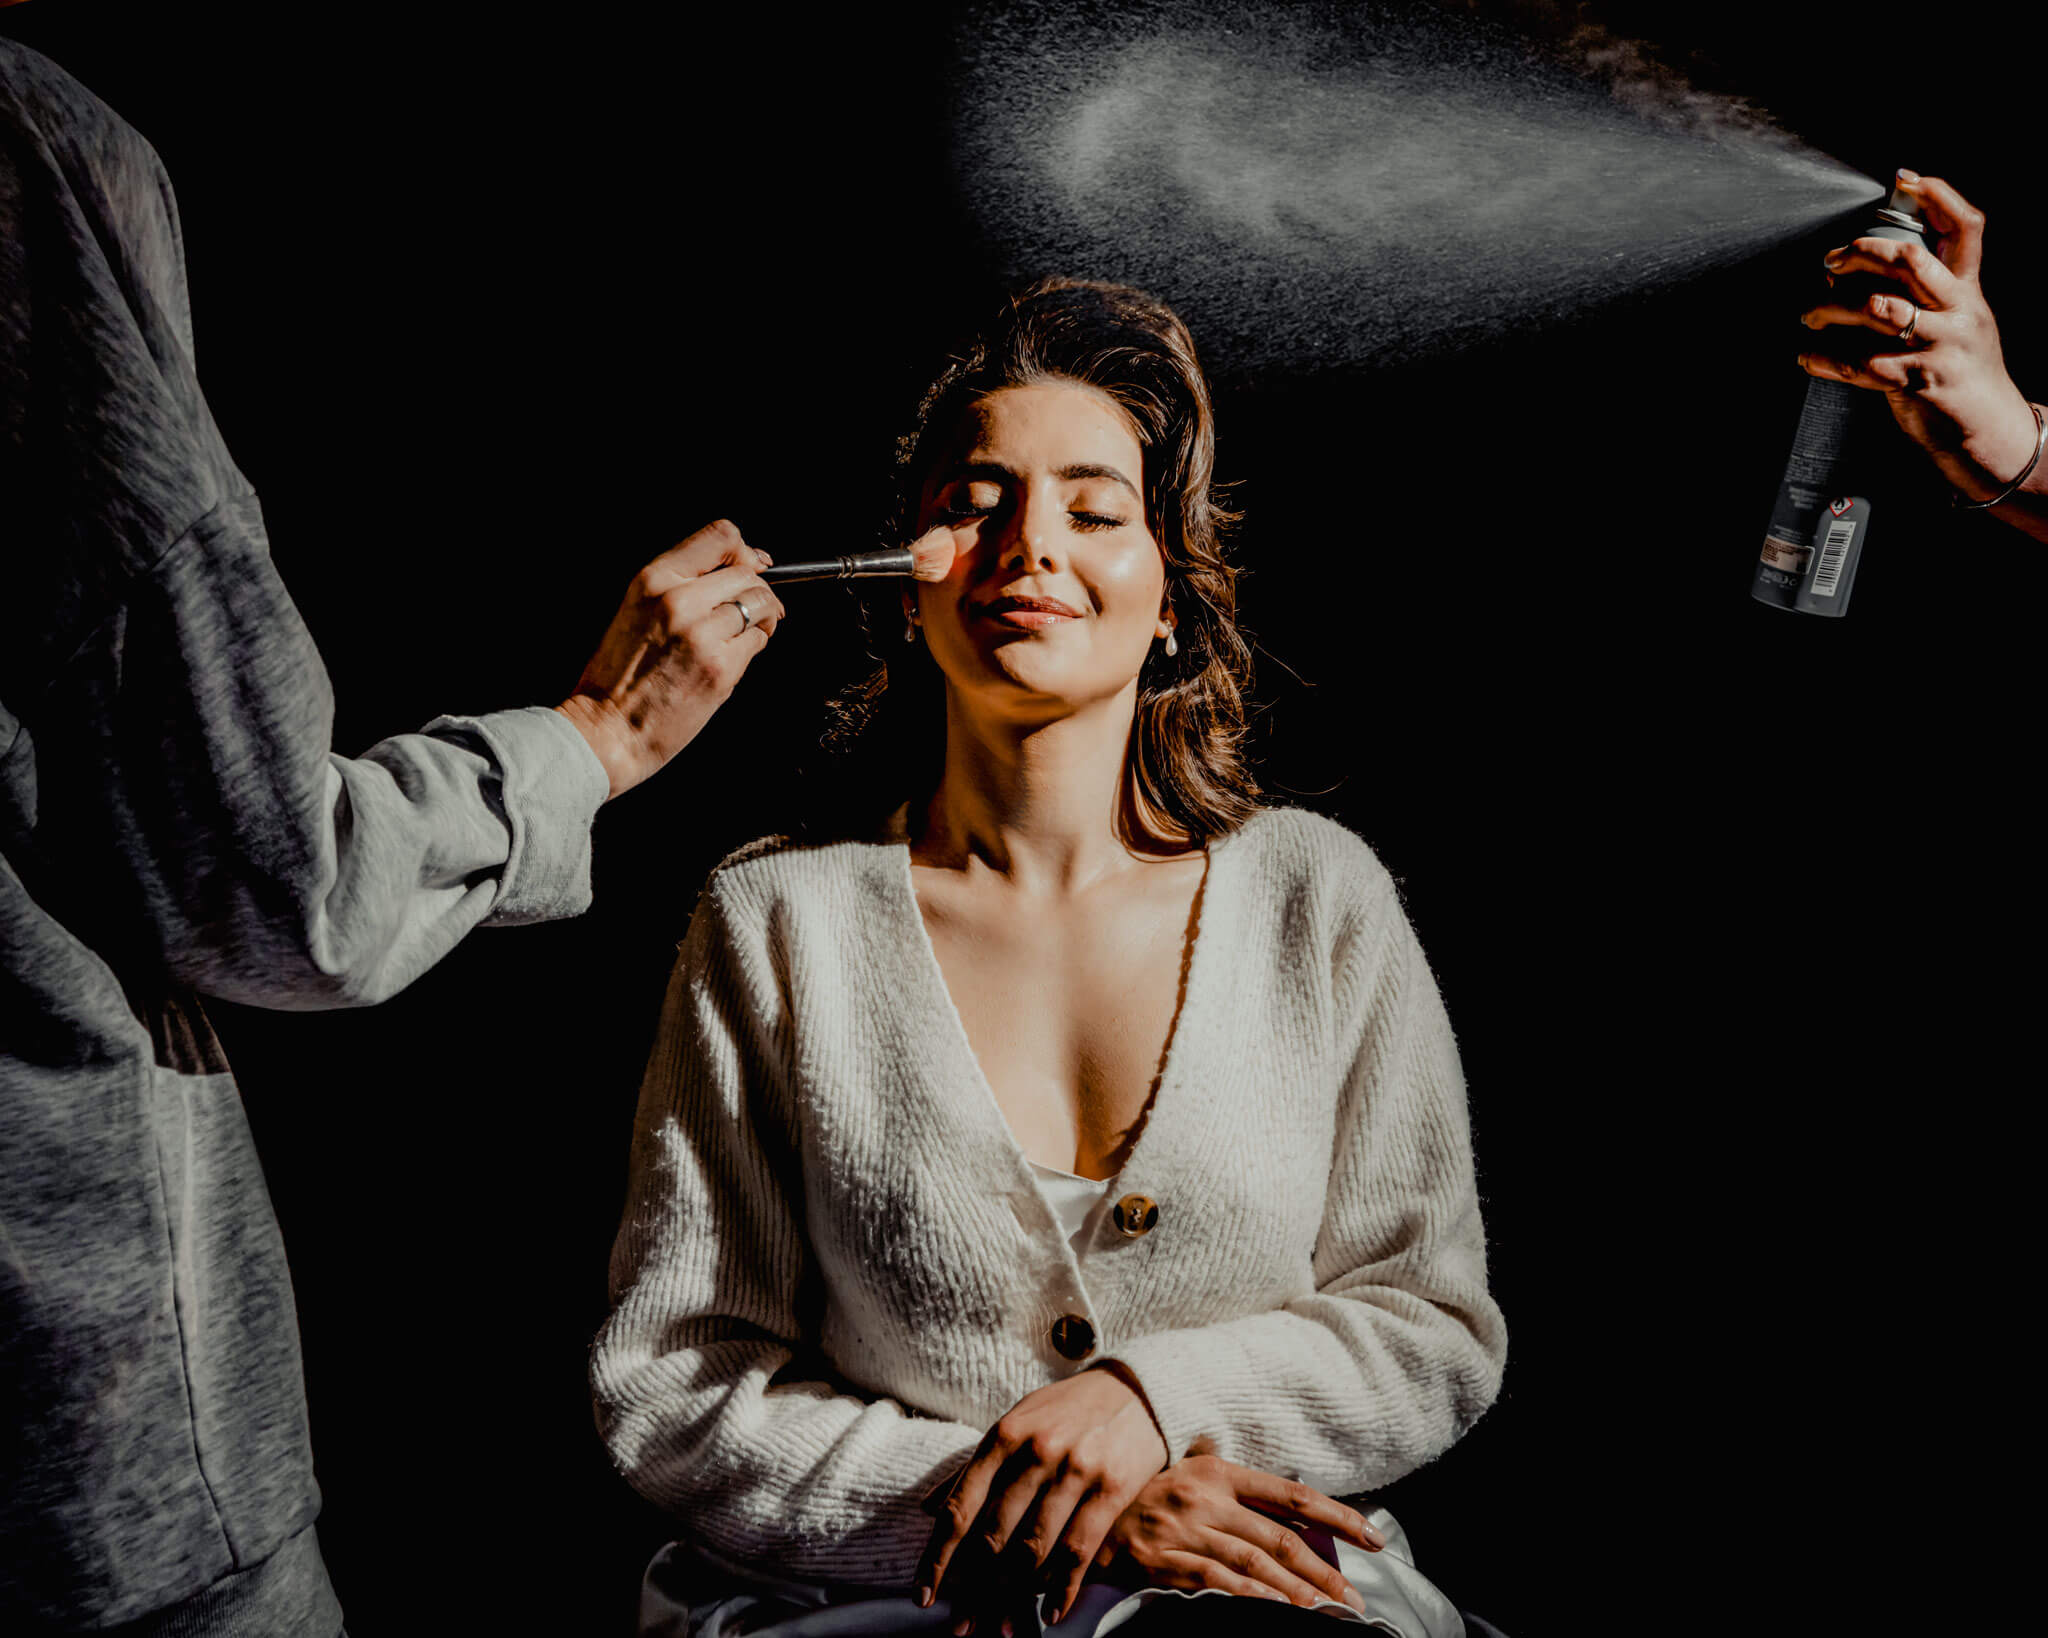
(1994, 462)
(1124, 1374)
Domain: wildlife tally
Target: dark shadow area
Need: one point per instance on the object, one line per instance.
(1717, 895)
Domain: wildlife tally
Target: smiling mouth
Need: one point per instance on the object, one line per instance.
(1027, 613)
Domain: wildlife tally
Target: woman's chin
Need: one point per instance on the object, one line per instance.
(1035, 686)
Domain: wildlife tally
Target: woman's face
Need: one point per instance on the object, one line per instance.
(1057, 585)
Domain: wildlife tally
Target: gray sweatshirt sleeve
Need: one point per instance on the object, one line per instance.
(277, 873)
(183, 716)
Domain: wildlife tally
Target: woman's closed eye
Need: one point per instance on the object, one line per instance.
(1082, 520)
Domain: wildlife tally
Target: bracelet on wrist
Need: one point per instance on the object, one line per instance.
(2027, 471)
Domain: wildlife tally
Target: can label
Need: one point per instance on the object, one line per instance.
(1786, 556)
(1843, 531)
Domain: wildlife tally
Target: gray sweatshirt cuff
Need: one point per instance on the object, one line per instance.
(552, 786)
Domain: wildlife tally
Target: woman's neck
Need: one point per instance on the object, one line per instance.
(1036, 802)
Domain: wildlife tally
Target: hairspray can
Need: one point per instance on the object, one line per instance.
(1820, 522)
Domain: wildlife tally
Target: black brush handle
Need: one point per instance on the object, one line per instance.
(857, 566)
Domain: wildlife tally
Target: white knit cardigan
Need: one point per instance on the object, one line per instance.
(836, 1268)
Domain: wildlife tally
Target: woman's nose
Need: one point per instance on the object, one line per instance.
(1032, 541)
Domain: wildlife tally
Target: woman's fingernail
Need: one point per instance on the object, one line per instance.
(924, 1598)
(1909, 177)
(1834, 258)
(1802, 361)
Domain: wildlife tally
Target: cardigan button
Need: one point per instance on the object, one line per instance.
(1073, 1337)
(1136, 1214)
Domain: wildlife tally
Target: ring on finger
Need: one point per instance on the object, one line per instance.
(746, 615)
(1912, 323)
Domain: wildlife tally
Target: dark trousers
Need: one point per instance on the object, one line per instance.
(1248, 1618)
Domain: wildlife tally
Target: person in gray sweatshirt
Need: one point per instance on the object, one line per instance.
(174, 824)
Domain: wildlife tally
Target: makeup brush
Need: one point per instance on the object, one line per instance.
(929, 557)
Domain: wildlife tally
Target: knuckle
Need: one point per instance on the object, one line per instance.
(958, 1514)
(1300, 1498)
(698, 647)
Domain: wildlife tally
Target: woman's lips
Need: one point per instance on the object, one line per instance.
(1028, 613)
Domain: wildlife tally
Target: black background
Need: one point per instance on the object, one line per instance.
(1725, 903)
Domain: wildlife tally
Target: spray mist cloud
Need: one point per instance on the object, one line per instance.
(1309, 193)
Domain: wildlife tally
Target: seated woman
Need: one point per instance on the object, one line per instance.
(1070, 1178)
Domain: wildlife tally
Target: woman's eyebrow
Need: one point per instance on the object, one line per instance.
(1085, 471)
(996, 471)
(992, 470)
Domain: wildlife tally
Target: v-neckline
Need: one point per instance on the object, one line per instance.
(1194, 964)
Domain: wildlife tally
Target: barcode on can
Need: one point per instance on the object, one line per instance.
(1834, 552)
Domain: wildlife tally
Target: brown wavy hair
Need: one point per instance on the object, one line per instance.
(1186, 780)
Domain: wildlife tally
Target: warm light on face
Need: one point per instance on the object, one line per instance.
(1055, 595)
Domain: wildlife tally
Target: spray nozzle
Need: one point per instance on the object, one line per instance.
(1902, 209)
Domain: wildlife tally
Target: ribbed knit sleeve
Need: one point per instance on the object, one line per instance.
(709, 1395)
(1400, 1347)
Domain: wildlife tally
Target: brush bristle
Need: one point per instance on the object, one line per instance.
(931, 554)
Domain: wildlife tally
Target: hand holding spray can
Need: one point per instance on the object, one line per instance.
(1820, 522)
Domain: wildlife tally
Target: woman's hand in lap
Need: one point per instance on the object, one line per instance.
(1205, 1522)
(1041, 1492)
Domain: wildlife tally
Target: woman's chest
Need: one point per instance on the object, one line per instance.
(1069, 1011)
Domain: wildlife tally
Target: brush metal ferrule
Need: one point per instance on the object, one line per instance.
(855, 566)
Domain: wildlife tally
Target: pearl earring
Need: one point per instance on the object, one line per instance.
(1172, 643)
(909, 627)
